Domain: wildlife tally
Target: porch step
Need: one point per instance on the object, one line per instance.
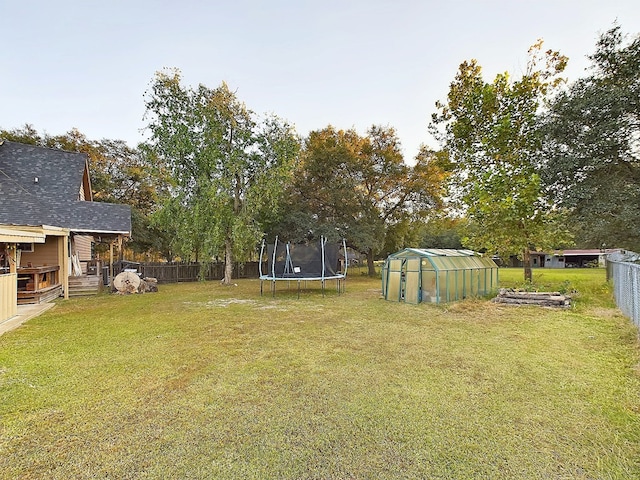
(84, 285)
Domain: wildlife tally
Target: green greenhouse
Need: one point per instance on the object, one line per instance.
(416, 275)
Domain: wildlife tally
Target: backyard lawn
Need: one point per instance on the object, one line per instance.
(205, 381)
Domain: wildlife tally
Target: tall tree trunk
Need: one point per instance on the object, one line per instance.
(526, 260)
(228, 261)
(228, 242)
(370, 265)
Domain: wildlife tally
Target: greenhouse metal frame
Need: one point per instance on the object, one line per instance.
(416, 275)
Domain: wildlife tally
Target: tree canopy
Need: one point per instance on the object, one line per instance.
(226, 167)
(524, 164)
(490, 132)
(355, 187)
(592, 152)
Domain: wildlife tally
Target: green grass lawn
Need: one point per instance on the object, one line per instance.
(205, 381)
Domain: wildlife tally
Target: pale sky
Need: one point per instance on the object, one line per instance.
(86, 64)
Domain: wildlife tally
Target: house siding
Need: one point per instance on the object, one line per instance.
(82, 248)
(43, 254)
(8, 294)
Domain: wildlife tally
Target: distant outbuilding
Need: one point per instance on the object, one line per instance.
(415, 275)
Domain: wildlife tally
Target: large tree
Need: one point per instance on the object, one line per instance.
(227, 168)
(592, 146)
(357, 187)
(321, 198)
(490, 131)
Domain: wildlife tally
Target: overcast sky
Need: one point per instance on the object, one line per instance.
(86, 64)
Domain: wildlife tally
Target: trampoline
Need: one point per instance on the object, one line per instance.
(301, 263)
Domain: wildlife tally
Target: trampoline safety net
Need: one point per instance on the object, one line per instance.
(300, 261)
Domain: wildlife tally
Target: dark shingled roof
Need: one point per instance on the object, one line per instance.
(54, 199)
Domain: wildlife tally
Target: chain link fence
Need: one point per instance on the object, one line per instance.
(623, 269)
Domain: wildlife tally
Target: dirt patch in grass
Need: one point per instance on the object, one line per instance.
(223, 302)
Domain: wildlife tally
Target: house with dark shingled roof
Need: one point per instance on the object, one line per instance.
(48, 220)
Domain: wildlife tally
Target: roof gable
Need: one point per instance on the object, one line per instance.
(45, 172)
(44, 186)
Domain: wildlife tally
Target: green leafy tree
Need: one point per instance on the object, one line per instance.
(356, 188)
(403, 233)
(321, 198)
(226, 168)
(26, 134)
(441, 232)
(490, 131)
(383, 179)
(592, 152)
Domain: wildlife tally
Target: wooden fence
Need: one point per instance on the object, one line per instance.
(173, 272)
(8, 295)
